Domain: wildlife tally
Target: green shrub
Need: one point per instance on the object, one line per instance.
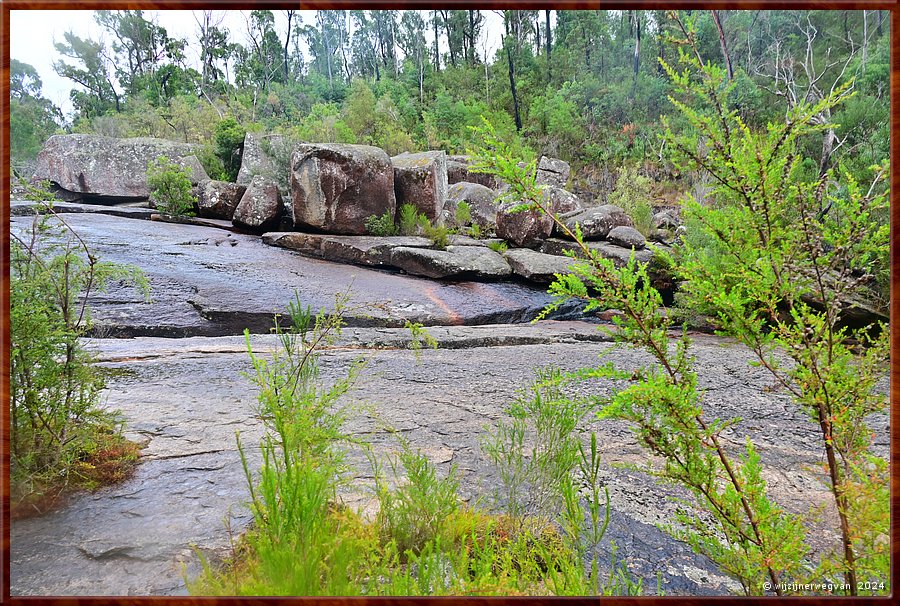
(415, 513)
(632, 194)
(438, 234)
(60, 435)
(409, 219)
(498, 246)
(212, 163)
(381, 226)
(463, 214)
(779, 287)
(790, 251)
(170, 187)
(423, 540)
(229, 143)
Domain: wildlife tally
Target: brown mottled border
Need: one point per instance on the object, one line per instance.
(6, 5)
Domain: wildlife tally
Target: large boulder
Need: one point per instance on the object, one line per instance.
(553, 172)
(455, 262)
(525, 228)
(480, 200)
(336, 187)
(421, 180)
(267, 155)
(458, 172)
(598, 221)
(627, 237)
(619, 255)
(359, 250)
(666, 219)
(561, 201)
(260, 207)
(536, 266)
(218, 199)
(95, 168)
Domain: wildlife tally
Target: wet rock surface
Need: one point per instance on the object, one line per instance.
(536, 266)
(207, 281)
(23, 208)
(185, 399)
(456, 261)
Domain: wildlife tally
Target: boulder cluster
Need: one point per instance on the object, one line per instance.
(316, 198)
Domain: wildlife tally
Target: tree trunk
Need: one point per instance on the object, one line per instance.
(549, 44)
(471, 50)
(512, 88)
(394, 48)
(587, 47)
(446, 17)
(865, 40)
(725, 54)
(421, 65)
(327, 57)
(828, 138)
(660, 43)
(287, 38)
(437, 54)
(637, 53)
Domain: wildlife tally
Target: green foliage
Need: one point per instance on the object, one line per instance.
(419, 336)
(438, 234)
(375, 121)
(32, 118)
(498, 246)
(60, 435)
(632, 194)
(423, 540)
(543, 481)
(229, 140)
(323, 124)
(414, 515)
(42, 191)
(409, 219)
(776, 242)
(462, 215)
(212, 163)
(556, 120)
(381, 226)
(792, 254)
(170, 187)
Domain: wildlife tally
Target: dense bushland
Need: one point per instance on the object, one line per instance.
(586, 86)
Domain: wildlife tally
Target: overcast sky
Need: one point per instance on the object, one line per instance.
(32, 34)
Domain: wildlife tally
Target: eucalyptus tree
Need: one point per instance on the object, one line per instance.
(90, 70)
(32, 118)
(411, 40)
